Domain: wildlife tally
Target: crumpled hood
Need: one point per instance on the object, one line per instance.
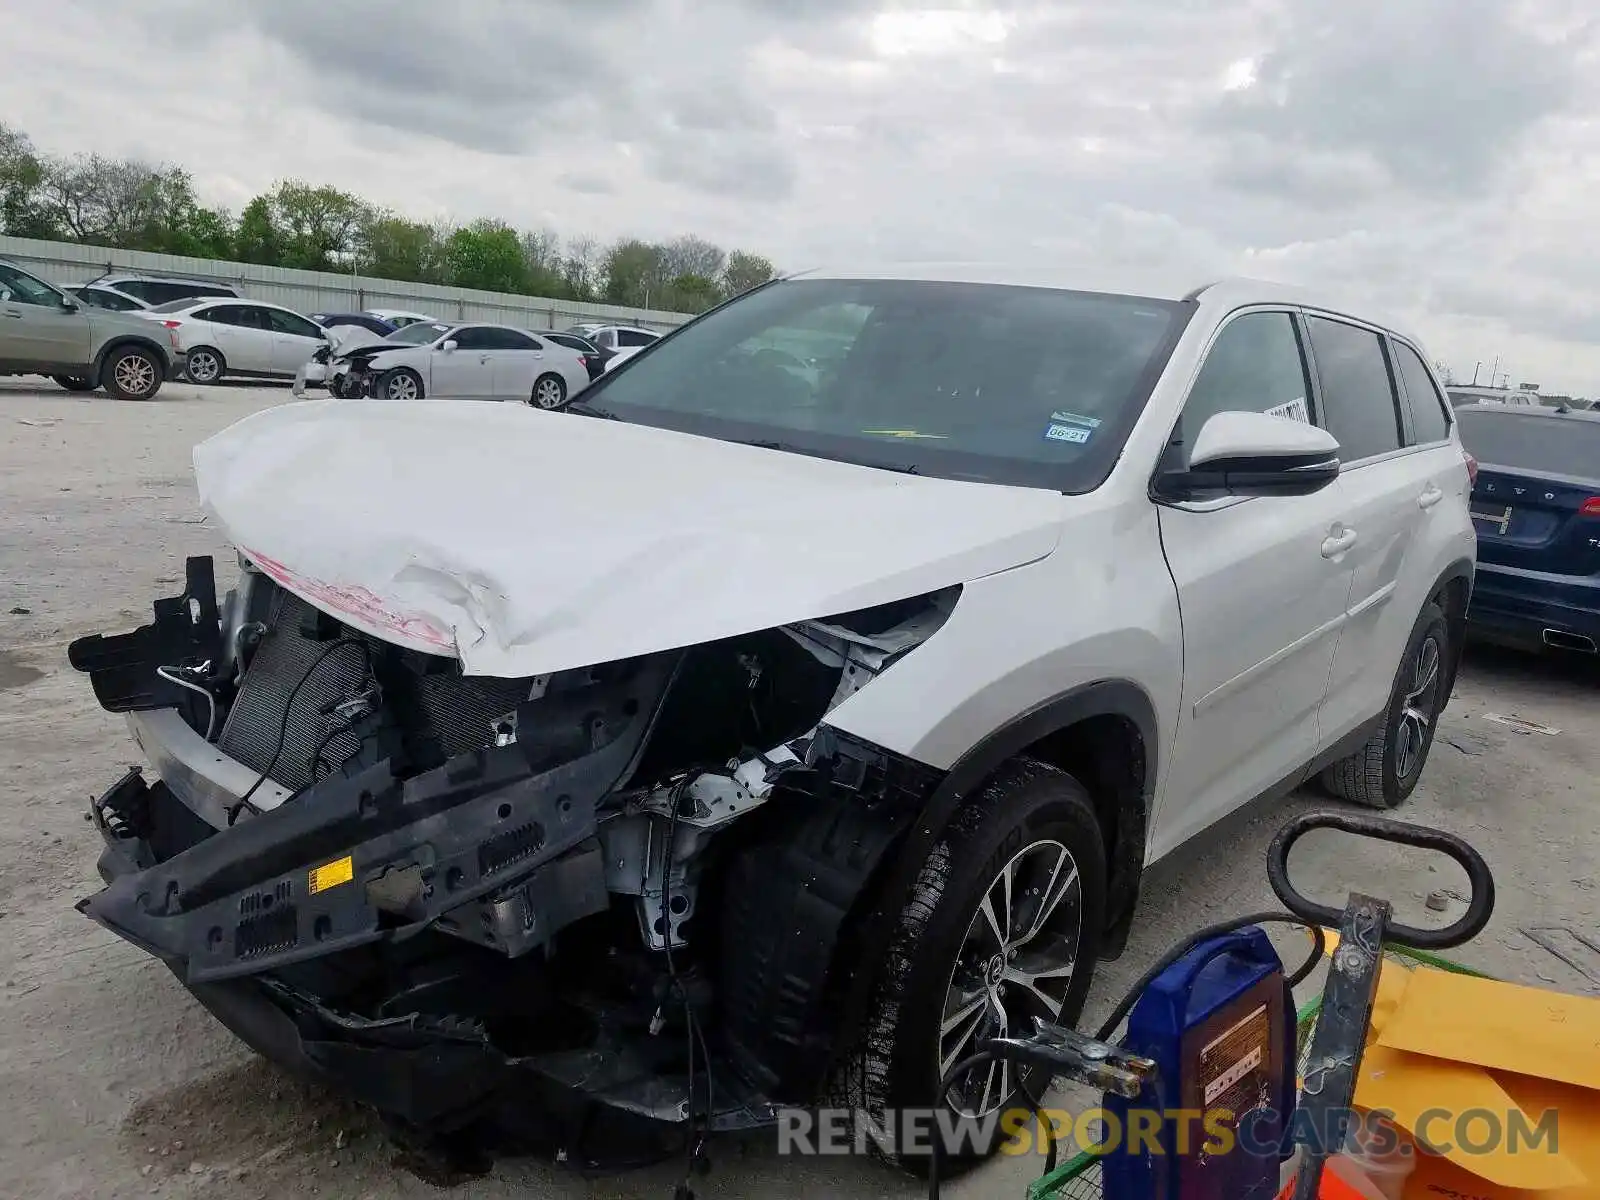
(527, 542)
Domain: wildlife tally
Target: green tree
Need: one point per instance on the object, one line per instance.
(395, 248)
(635, 273)
(21, 176)
(319, 228)
(745, 271)
(690, 293)
(487, 255)
(257, 240)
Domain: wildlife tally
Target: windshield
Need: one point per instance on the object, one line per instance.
(1533, 442)
(1018, 385)
(418, 334)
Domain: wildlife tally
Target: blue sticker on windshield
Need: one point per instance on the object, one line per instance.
(1067, 433)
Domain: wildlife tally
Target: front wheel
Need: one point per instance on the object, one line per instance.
(549, 391)
(73, 384)
(1004, 926)
(132, 373)
(1384, 772)
(400, 383)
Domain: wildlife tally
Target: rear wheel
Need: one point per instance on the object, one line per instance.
(1384, 772)
(75, 385)
(204, 365)
(1003, 926)
(549, 391)
(132, 373)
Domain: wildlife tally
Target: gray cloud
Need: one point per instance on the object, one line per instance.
(1433, 156)
(488, 74)
(1426, 96)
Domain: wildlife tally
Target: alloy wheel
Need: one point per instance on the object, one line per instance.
(135, 375)
(1418, 709)
(402, 387)
(548, 393)
(1015, 963)
(203, 367)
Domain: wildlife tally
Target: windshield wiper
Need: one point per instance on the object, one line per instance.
(789, 448)
(584, 409)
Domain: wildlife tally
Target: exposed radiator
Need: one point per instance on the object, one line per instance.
(459, 712)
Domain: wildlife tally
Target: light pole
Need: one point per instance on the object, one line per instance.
(1475, 367)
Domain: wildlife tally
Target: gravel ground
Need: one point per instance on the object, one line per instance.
(120, 1085)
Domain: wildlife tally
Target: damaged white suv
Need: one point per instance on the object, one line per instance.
(797, 708)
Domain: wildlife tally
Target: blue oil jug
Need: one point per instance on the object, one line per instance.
(1214, 1122)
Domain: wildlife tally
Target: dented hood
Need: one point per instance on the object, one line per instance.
(527, 542)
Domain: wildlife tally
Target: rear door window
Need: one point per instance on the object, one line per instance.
(1358, 395)
(1430, 418)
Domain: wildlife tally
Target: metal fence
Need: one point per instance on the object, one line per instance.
(324, 291)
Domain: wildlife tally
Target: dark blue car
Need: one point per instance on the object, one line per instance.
(1536, 507)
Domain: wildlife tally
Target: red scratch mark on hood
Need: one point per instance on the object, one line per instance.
(358, 603)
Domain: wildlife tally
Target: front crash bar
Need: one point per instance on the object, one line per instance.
(357, 859)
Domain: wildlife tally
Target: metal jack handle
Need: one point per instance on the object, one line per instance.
(1341, 1033)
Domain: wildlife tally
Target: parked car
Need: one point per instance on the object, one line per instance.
(345, 331)
(1536, 505)
(823, 726)
(614, 338)
(105, 297)
(592, 357)
(461, 362)
(372, 324)
(158, 289)
(43, 331)
(238, 338)
(617, 357)
(398, 317)
(1462, 395)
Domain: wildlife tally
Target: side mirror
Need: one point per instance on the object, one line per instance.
(448, 347)
(69, 305)
(1254, 454)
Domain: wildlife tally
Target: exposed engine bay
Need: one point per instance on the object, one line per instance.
(621, 896)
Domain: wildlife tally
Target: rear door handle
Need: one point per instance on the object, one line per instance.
(1336, 544)
(1431, 495)
(11, 312)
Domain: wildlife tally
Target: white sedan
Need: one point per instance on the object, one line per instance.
(460, 362)
(217, 337)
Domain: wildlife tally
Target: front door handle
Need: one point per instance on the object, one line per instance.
(1337, 542)
(1431, 495)
(11, 312)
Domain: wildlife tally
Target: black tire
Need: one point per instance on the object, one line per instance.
(132, 373)
(1026, 806)
(75, 385)
(395, 379)
(549, 391)
(1384, 772)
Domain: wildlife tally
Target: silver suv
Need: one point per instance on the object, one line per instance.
(43, 331)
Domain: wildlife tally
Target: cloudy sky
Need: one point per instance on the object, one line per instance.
(1441, 157)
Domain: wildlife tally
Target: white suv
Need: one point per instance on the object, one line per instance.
(807, 700)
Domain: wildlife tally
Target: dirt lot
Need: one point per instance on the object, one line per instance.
(120, 1085)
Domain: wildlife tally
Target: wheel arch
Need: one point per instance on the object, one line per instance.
(1453, 592)
(1083, 731)
(128, 340)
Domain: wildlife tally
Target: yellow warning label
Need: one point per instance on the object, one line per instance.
(331, 875)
